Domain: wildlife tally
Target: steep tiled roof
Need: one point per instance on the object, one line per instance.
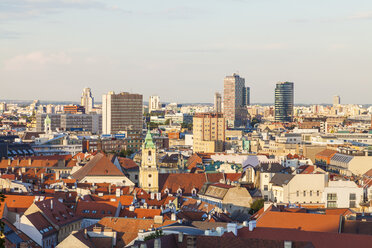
(127, 163)
(96, 209)
(18, 203)
(100, 165)
(301, 221)
(56, 212)
(280, 179)
(130, 227)
(41, 224)
(14, 237)
(185, 181)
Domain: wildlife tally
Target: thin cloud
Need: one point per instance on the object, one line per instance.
(361, 16)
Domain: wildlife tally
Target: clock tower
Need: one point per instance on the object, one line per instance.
(149, 174)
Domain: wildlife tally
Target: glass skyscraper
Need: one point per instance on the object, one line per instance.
(284, 97)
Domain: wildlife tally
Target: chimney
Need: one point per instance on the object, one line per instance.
(113, 239)
(232, 227)
(287, 244)
(157, 243)
(173, 217)
(57, 175)
(158, 196)
(29, 162)
(252, 225)
(267, 205)
(51, 204)
(85, 234)
(180, 237)
(152, 196)
(117, 192)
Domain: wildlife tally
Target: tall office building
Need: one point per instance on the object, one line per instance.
(234, 101)
(154, 103)
(87, 100)
(209, 132)
(284, 98)
(217, 103)
(121, 112)
(247, 96)
(336, 101)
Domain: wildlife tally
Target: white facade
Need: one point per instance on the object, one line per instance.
(106, 113)
(342, 194)
(154, 103)
(87, 100)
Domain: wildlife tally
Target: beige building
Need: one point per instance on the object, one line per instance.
(234, 100)
(209, 132)
(149, 174)
(121, 112)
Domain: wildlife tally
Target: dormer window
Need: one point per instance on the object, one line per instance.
(193, 192)
(166, 191)
(179, 191)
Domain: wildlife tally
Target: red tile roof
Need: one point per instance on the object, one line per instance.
(301, 221)
(127, 163)
(96, 209)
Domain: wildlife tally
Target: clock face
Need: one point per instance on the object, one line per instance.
(149, 158)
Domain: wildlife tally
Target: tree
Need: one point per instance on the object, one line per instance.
(256, 205)
(157, 234)
(125, 153)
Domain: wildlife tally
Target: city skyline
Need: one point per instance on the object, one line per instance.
(54, 44)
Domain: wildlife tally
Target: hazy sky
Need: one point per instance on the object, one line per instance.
(181, 50)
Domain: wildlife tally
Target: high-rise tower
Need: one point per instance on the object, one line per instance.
(234, 101)
(284, 100)
(217, 103)
(87, 100)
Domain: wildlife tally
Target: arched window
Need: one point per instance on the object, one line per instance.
(149, 153)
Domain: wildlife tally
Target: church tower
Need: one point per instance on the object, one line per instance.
(149, 174)
(47, 125)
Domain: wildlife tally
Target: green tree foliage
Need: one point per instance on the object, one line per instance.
(256, 205)
(155, 235)
(125, 153)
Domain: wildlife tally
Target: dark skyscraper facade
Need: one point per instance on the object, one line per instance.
(284, 98)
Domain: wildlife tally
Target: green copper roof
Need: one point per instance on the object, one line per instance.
(47, 120)
(148, 141)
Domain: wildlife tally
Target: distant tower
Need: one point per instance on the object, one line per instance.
(234, 104)
(47, 125)
(336, 101)
(154, 103)
(217, 103)
(284, 100)
(87, 100)
(149, 174)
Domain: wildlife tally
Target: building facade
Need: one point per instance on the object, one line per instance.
(149, 174)
(87, 100)
(209, 132)
(154, 103)
(121, 112)
(284, 100)
(234, 104)
(217, 103)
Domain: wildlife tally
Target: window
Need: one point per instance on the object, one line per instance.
(317, 193)
(94, 211)
(311, 193)
(331, 204)
(136, 177)
(352, 198)
(298, 193)
(304, 192)
(150, 175)
(332, 197)
(266, 187)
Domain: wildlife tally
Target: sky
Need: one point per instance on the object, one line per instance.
(181, 50)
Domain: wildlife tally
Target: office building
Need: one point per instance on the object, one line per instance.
(154, 103)
(336, 101)
(73, 109)
(209, 132)
(247, 96)
(284, 98)
(217, 103)
(70, 122)
(121, 112)
(87, 100)
(234, 105)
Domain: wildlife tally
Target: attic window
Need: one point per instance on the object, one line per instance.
(94, 211)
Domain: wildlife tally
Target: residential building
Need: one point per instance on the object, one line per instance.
(217, 103)
(209, 132)
(284, 101)
(87, 100)
(121, 112)
(154, 103)
(234, 102)
(342, 194)
(73, 109)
